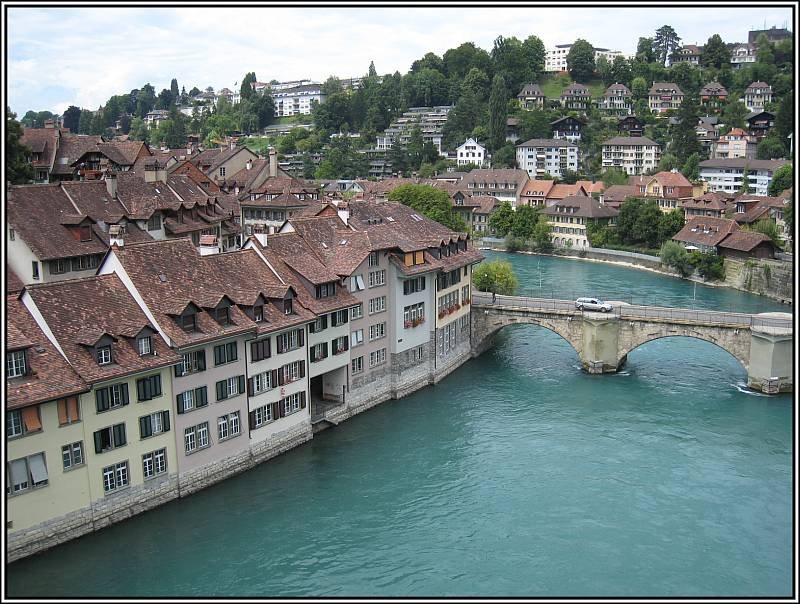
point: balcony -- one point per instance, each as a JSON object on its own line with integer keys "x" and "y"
{"x": 414, "y": 323}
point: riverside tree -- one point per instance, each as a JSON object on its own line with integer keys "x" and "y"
{"x": 431, "y": 202}
{"x": 496, "y": 276}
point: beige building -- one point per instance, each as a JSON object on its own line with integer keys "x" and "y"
{"x": 633, "y": 155}
{"x": 568, "y": 219}
{"x": 664, "y": 96}
{"x": 736, "y": 143}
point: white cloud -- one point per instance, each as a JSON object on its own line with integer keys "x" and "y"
{"x": 62, "y": 56}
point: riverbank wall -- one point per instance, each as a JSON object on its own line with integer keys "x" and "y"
{"x": 770, "y": 278}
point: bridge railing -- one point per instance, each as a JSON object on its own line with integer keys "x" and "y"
{"x": 637, "y": 311}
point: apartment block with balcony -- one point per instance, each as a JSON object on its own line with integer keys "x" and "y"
{"x": 726, "y": 175}
{"x": 547, "y": 156}
{"x": 633, "y": 155}
{"x": 664, "y": 96}
{"x": 297, "y": 100}
{"x": 757, "y": 95}
{"x": 735, "y": 144}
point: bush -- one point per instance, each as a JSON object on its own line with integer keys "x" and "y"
{"x": 495, "y": 276}
{"x": 710, "y": 266}
{"x": 514, "y": 244}
{"x": 674, "y": 255}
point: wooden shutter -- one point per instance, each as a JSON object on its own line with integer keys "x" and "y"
{"x": 141, "y": 389}
{"x": 98, "y": 442}
{"x": 347, "y": 343}
{"x": 303, "y": 399}
{"x": 240, "y": 384}
{"x": 255, "y": 351}
{"x": 222, "y": 390}
{"x": 125, "y": 399}
{"x": 178, "y": 369}
{"x": 62, "y": 411}
{"x": 145, "y": 426}
{"x": 201, "y": 360}
{"x": 300, "y": 337}
{"x": 265, "y": 346}
{"x": 280, "y": 340}
{"x": 250, "y": 387}
{"x": 200, "y": 397}
{"x": 101, "y": 399}
{"x": 252, "y": 419}
{"x": 279, "y": 409}
{"x": 72, "y": 409}
{"x": 179, "y": 403}
{"x": 324, "y": 321}
{"x": 333, "y": 319}
{"x": 165, "y": 420}
{"x": 30, "y": 417}
{"x": 302, "y": 370}
{"x": 233, "y": 351}
{"x": 119, "y": 435}
{"x": 218, "y": 355}
{"x": 273, "y": 379}
{"x": 324, "y": 350}
{"x": 344, "y": 314}
{"x": 281, "y": 376}
{"x": 155, "y": 385}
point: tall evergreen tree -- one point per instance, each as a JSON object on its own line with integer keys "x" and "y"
{"x": 372, "y": 72}
{"x": 684, "y": 134}
{"x": 18, "y": 170}
{"x": 246, "y": 91}
{"x": 72, "y": 117}
{"x": 498, "y": 113}
{"x": 173, "y": 88}
{"x": 580, "y": 60}
{"x": 665, "y": 43}
{"x": 715, "y": 53}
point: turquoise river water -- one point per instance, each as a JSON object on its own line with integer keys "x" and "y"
{"x": 517, "y": 475}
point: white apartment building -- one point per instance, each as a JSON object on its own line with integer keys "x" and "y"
{"x": 742, "y": 55}
{"x": 634, "y": 154}
{"x": 726, "y": 175}
{"x": 556, "y": 57}
{"x": 430, "y": 120}
{"x": 471, "y": 152}
{"x": 296, "y": 100}
{"x": 551, "y": 156}
{"x": 757, "y": 95}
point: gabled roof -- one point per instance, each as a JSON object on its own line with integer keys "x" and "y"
{"x": 562, "y": 191}
{"x": 662, "y": 87}
{"x": 713, "y": 88}
{"x": 530, "y": 90}
{"x": 499, "y": 175}
{"x": 619, "y": 193}
{"x": 745, "y": 241}
{"x": 44, "y": 141}
{"x": 548, "y": 142}
{"x": 705, "y": 230}
{"x": 617, "y": 90}
{"x": 759, "y": 84}
{"x": 537, "y": 188}
{"x": 80, "y": 311}
{"x": 575, "y": 89}
{"x": 72, "y": 147}
{"x": 590, "y": 187}
{"x": 50, "y": 376}
{"x": 671, "y": 179}
{"x": 587, "y": 207}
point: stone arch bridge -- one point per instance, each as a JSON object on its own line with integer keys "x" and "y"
{"x": 762, "y": 343}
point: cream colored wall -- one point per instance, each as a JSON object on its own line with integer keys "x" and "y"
{"x": 135, "y": 446}
{"x": 67, "y": 490}
{"x": 464, "y": 310}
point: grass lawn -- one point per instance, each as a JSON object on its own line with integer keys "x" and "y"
{"x": 294, "y": 119}
{"x": 553, "y": 85}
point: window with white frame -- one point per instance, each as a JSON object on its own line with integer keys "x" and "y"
{"x": 374, "y": 259}
{"x": 377, "y": 357}
{"x": 16, "y": 365}
{"x": 377, "y": 331}
{"x": 72, "y": 455}
{"x": 26, "y": 473}
{"x": 116, "y": 477}
{"x": 293, "y": 403}
{"x": 145, "y": 345}
{"x": 413, "y": 314}
{"x": 103, "y": 355}
{"x": 291, "y": 372}
{"x": 357, "y": 365}
{"x": 377, "y": 278}
{"x": 356, "y": 337}
{"x": 232, "y": 386}
{"x": 261, "y": 382}
{"x": 377, "y": 305}
{"x": 228, "y": 426}
{"x": 262, "y": 415}
{"x": 154, "y": 424}
{"x": 356, "y": 283}
{"x": 195, "y": 437}
{"x": 154, "y": 463}
{"x": 356, "y": 312}
{"x": 192, "y": 362}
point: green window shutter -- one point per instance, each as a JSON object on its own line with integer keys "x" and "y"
{"x": 179, "y": 403}
{"x": 165, "y": 420}
{"x": 302, "y": 371}
{"x": 178, "y": 370}
{"x": 118, "y": 432}
{"x": 155, "y": 386}
{"x": 241, "y": 384}
{"x": 125, "y": 399}
{"x": 98, "y": 442}
{"x": 222, "y": 390}
{"x": 303, "y": 399}
{"x": 300, "y": 337}
{"x": 145, "y": 427}
{"x": 274, "y": 379}
{"x": 141, "y": 389}
{"x": 218, "y": 355}
{"x": 201, "y": 360}
{"x": 101, "y": 398}
{"x": 233, "y": 351}
{"x": 200, "y": 396}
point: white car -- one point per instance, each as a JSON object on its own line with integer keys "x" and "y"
{"x": 592, "y": 304}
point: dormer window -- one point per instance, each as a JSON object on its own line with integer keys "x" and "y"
{"x": 16, "y": 364}
{"x": 258, "y": 313}
{"x": 326, "y": 289}
{"x": 104, "y": 355}
{"x": 145, "y": 346}
{"x": 287, "y": 306}
{"x": 188, "y": 322}
{"x": 85, "y": 233}
{"x": 222, "y": 315}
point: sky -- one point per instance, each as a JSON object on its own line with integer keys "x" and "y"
{"x": 64, "y": 56}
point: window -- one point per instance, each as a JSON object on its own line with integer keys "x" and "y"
{"x": 15, "y": 364}
{"x": 188, "y": 322}
{"x": 258, "y": 313}
{"x": 463, "y": 322}
{"x": 154, "y": 223}
{"x": 377, "y": 305}
{"x": 225, "y": 353}
{"x": 465, "y": 294}
{"x": 35, "y": 270}
{"x": 356, "y": 337}
{"x": 153, "y": 424}
{"x": 222, "y": 170}
{"x": 377, "y": 357}
{"x": 290, "y": 340}
{"x": 192, "y": 362}
{"x": 326, "y": 290}
{"x": 228, "y": 426}
{"x": 287, "y": 306}
{"x": 27, "y": 472}
{"x": 319, "y": 325}
{"x": 339, "y": 318}
{"x": 68, "y": 411}
{"x": 84, "y": 263}
{"x": 148, "y": 388}
{"x": 232, "y": 386}
{"x": 110, "y": 438}
{"x": 377, "y": 331}
{"x": 261, "y": 382}
{"x": 154, "y": 463}
{"x": 222, "y": 315}
{"x": 261, "y": 416}
{"x": 260, "y": 350}
{"x": 145, "y": 346}
{"x": 192, "y": 399}
{"x": 419, "y": 353}
{"x": 377, "y": 278}
{"x": 59, "y": 267}
{"x": 292, "y": 372}
{"x": 111, "y": 397}
{"x": 357, "y": 283}
{"x": 319, "y": 352}
{"x": 72, "y": 455}
{"x": 415, "y": 258}
{"x": 411, "y": 286}
{"x": 374, "y": 259}
{"x": 23, "y": 421}
{"x": 356, "y": 312}
{"x": 195, "y": 437}
{"x": 414, "y": 315}
{"x": 115, "y": 477}
{"x": 11, "y": 234}
{"x": 293, "y": 403}
{"x": 357, "y": 365}
{"x": 339, "y": 345}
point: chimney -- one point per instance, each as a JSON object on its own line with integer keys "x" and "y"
{"x": 249, "y": 164}
{"x": 208, "y": 245}
{"x": 232, "y": 144}
{"x": 111, "y": 184}
{"x": 273, "y": 163}
{"x": 115, "y": 232}
{"x": 155, "y": 172}
{"x": 49, "y": 124}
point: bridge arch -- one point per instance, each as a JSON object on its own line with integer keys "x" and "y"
{"x": 488, "y": 326}
{"x": 738, "y": 350}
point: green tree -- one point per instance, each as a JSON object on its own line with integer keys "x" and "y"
{"x": 691, "y": 167}
{"x": 496, "y": 276}
{"x": 673, "y": 254}
{"x": 505, "y": 157}
{"x": 525, "y": 220}
{"x": 372, "y": 72}
{"x": 669, "y": 224}
{"x": 621, "y": 70}
{"x": 745, "y": 188}
{"x": 462, "y": 120}
{"x": 534, "y": 52}
{"x": 715, "y": 53}
{"x": 768, "y": 227}
{"x": 639, "y": 89}
{"x": 18, "y": 168}
{"x": 498, "y": 113}
{"x": 644, "y": 51}
{"x": 502, "y": 219}
{"x": 476, "y": 82}
{"x": 614, "y": 176}
{"x": 667, "y": 162}
{"x": 430, "y": 201}
{"x": 684, "y": 134}
{"x": 173, "y": 88}
{"x": 511, "y": 62}
{"x": 782, "y": 179}
{"x": 331, "y": 86}
{"x": 246, "y": 90}
{"x": 72, "y": 117}
{"x": 139, "y": 131}
{"x": 665, "y": 43}
{"x": 784, "y": 118}
{"x": 580, "y": 60}
{"x": 542, "y": 241}
{"x": 770, "y": 147}
{"x": 734, "y": 113}
{"x": 85, "y": 122}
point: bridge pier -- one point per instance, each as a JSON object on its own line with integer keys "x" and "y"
{"x": 770, "y": 369}
{"x": 599, "y": 351}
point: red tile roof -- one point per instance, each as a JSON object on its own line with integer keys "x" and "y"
{"x": 745, "y": 241}
{"x": 706, "y": 231}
